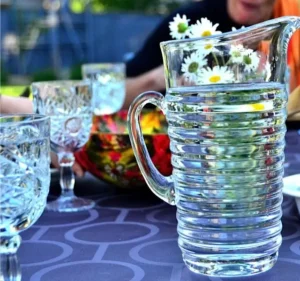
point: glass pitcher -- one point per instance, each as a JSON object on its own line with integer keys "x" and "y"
{"x": 226, "y": 109}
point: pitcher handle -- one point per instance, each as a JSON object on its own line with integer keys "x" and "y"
{"x": 161, "y": 186}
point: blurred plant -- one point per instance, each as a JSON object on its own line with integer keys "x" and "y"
{"x": 26, "y": 38}
{"x": 11, "y": 44}
{"x": 3, "y": 75}
{"x": 75, "y": 72}
{"x": 49, "y": 74}
{"x": 146, "y": 6}
{"x": 44, "y": 75}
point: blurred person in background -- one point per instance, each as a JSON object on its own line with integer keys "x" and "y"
{"x": 145, "y": 71}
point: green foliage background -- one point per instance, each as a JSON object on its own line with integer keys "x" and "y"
{"x": 78, "y": 7}
{"x": 143, "y": 6}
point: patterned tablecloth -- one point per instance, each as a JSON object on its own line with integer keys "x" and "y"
{"x": 132, "y": 236}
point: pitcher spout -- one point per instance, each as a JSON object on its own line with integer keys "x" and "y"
{"x": 283, "y": 30}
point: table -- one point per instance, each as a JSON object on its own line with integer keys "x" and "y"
{"x": 132, "y": 236}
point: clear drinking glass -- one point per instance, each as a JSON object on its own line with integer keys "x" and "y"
{"x": 108, "y": 83}
{"x": 68, "y": 103}
{"x": 226, "y": 109}
{"x": 24, "y": 182}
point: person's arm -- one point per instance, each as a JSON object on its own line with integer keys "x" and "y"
{"x": 152, "y": 80}
{"x": 11, "y": 105}
{"x": 144, "y": 71}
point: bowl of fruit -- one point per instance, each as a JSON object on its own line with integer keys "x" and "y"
{"x": 108, "y": 154}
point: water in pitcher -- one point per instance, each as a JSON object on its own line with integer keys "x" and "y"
{"x": 227, "y": 148}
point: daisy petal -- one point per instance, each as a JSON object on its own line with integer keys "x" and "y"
{"x": 203, "y": 28}
{"x": 216, "y": 75}
{"x": 192, "y": 66}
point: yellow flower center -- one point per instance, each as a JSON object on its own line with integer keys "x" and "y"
{"x": 208, "y": 46}
{"x": 206, "y": 33}
{"x": 215, "y": 79}
{"x": 258, "y": 106}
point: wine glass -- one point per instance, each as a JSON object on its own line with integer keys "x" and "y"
{"x": 24, "y": 182}
{"x": 108, "y": 84}
{"x": 68, "y": 103}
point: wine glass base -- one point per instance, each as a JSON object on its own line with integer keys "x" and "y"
{"x": 68, "y": 204}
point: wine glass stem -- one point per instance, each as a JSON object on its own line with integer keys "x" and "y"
{"x": 67, "y": 178}
{"x": 10, "y": 268}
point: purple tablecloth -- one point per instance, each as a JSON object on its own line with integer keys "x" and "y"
{"x": 132, "y": 236}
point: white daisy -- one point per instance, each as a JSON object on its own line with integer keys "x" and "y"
{"x": 179, "y": 27}
{"x": 192, "y": 66}
{"x": 203, "y": 28}
{"x": 251, "y": 61}
{"x": 206, "y": 46}
{"x": 237, "y": 53}
{"x": 217, "y": 74}
{"x": 234, "y": 29}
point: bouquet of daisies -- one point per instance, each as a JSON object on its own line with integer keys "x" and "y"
{"x": 211, "y": 63}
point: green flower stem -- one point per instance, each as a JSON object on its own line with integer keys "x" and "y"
{"x": 228, "y": 62}
{"x": 235, "y": 69}
{"x": 223, "y": 60}
{"x": 216, "y": 59}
